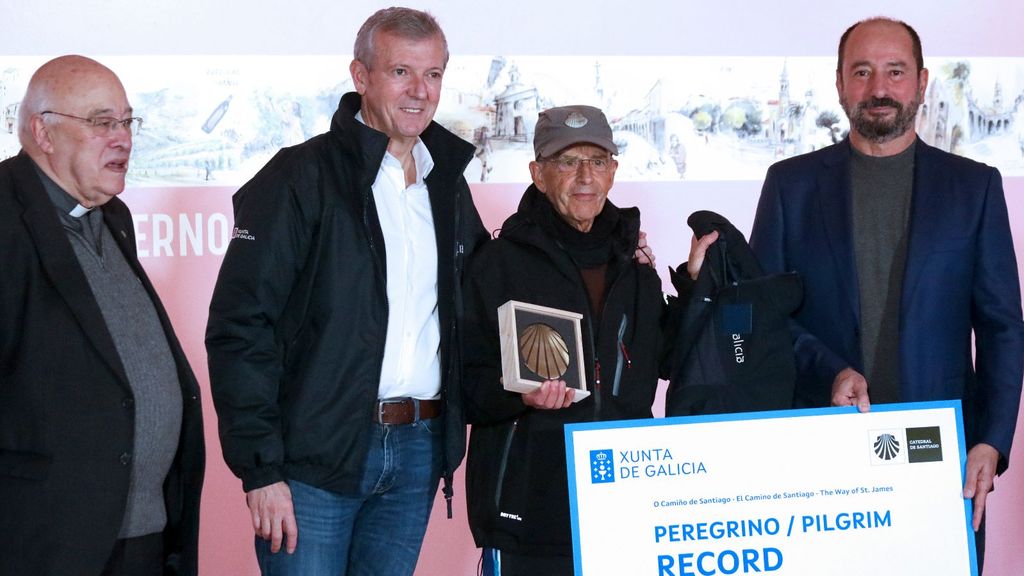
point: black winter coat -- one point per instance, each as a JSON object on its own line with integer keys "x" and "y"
{"x": 299, "y": 314}
{"x": 516, "y": 470}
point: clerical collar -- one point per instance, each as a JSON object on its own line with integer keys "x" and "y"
{"x": 78, "y": 211}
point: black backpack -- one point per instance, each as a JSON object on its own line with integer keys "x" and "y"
{"x": 734, "y": 349}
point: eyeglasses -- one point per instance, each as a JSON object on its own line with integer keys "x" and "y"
{"x": 104, "y": 125}
{"x": 573, "y": 163}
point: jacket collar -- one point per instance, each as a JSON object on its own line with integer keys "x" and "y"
{"x": 835, "y": 204}
{"x": 445, "y": 185}
{"x": 524, "y": 227}
{"x": 932, "y": 194}
{"x": 451, "y": 154}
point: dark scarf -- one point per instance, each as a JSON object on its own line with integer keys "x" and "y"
{"x": 587, "y": 249}
{"x": 592, "y": 252}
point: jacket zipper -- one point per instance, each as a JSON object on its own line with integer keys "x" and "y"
{"x": 593, "y": 346}
{"x": 597, "y": 368}
{"x": 453, "y": 344}
{"x": 503, "y": 464}
{"x": 381, "y": 273}
{"x": 620, "y": 354}
{"x": 446, "y": 475}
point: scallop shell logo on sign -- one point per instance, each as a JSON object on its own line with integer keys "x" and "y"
{"x": 887, "y": 446}
{"x": 576, "y": 120}
{"x": 544, "y": 351}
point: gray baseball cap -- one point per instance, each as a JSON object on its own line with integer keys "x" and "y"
{"x": 559, "y": 128}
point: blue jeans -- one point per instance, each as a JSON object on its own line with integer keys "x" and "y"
{"x": 377, "y": 532}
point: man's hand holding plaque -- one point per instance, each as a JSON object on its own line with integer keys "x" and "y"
{"x": 552, "y": 395}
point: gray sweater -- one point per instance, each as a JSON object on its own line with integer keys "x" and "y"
{"x": 133, "y": 324}
{"x": 882, "y": 188}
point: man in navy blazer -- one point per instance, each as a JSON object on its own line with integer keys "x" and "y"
{"x": 904, "y": 250}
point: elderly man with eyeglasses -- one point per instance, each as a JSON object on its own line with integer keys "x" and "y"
{"x": 101, "y": 440}
{"x": 567, "y": 247}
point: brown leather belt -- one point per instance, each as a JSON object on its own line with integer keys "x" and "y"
{"x": 406, "y": 410}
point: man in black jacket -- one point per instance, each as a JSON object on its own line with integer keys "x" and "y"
{"x": 333, "y": 332}
{"x": 101, "y": 438}
{"x": 567, "y": 247}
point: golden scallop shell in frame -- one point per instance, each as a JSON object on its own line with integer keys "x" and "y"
{"x": 544, "y": 351}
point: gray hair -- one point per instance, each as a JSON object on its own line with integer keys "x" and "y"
{"x": 35, "y": 101}
{"x": 404, "y": 22}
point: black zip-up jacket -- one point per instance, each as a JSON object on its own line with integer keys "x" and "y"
{"x": 516, "y": 471}
{"x": 299, "y": 314}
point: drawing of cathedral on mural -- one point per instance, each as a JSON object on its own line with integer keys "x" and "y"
{"x": 683, "y": 128}
{"x": 216, "y": 120}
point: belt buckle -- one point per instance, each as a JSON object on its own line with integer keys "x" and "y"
{"x": 398, "y": 401}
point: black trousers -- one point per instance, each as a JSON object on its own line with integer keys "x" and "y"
{"x": 508, "y": 564}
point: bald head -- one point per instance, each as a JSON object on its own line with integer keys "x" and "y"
{"x": 55, "y": 83}
{"x": 55, "y": 127}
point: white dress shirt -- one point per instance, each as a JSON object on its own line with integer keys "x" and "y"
{"x": 412, "y": 363}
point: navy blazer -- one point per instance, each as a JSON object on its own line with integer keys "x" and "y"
{"x": 66, "y": 408}
{"x": 961, "y": 275}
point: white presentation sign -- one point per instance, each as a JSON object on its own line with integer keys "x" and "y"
{"x": 801, "y": 492}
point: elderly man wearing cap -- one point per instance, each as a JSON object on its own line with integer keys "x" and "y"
{"x": 566, "y": 247}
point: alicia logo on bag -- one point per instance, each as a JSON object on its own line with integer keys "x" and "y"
{"x": 737, "y": 348}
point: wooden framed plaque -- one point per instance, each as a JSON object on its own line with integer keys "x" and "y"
{"x": 540, "y": 343}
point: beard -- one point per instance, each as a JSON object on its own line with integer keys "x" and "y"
{"x": 881, "y": 130}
